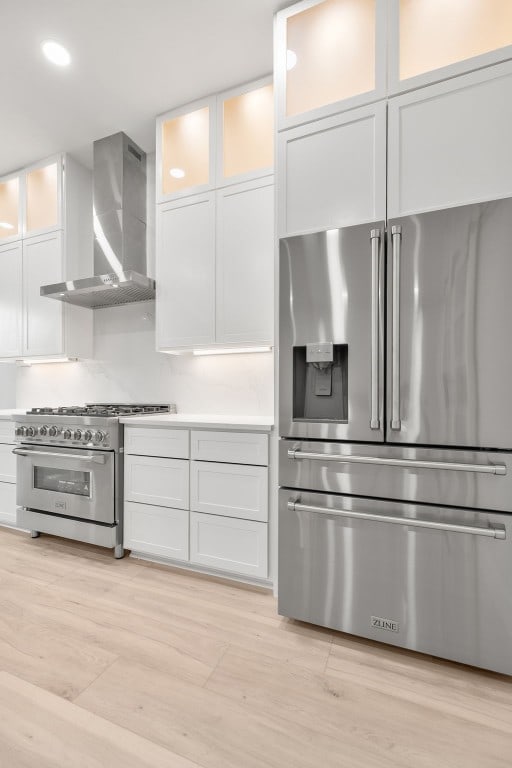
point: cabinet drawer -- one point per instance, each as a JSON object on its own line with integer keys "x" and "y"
{"x": 156, "y": 530}
{"x": 6, "y": 431}
{"x": 157, "y": 441}
{"x": 7, "y": 464}
{"x": 231, "y": 447}
{"x": 8, "y": 503}
{"x": 231, "y": 490}
{"x": 239, "y": 546}
{"x": 164, "y": 482}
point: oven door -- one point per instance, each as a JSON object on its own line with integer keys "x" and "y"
{"x": 71, "y": 482}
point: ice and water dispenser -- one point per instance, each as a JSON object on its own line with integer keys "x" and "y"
{"x": 320, "y": 373}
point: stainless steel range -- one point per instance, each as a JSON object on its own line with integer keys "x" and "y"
{"x": 396, "y": 432}
{"x": 70, "y": 471}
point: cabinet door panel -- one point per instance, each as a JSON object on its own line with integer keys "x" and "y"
{"x": 10, "y": 209}
{"x": 43, "y": 318}
{"x": 7, "y": 464}
{"x": 185, "y": 273}
{"x": 43, "y": 195}
{"x": 164, "y": 482}
{"x": 156, "y": 530}
{"x": 10, "y": 300}
{"x": 245, "y": 263}
{"x": 449, "y": 144}
{"x": 231, "y": 490}
{"x": 333, "y": 173}
{"x": 157, "y": 441}
{"x": 8, "y": 503}
{"x": 239, "y": 546}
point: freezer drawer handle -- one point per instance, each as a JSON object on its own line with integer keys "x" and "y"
{"x": 96, "y": 459}
{"x": 474, "y": 530}
{"x": 396, "y": 236}
{"x": 374, "y": 418}
{"x": 487, "y": 469}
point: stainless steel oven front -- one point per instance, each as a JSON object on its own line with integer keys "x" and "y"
{"x": 74, "y": 483}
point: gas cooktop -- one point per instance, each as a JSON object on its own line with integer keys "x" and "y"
{"x": 103, "y": 409}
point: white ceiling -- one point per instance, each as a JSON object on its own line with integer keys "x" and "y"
{"x": 132, "y": 59}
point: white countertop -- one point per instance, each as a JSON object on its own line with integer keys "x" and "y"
{"x": 7, "y": 413}
{"x": 198, "y": 421}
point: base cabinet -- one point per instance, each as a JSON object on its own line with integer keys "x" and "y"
{"x": 7, "y": 474}
{"x": 239, "y": 546}
{"x": 7, "y": 504}
{"x": 156, "y": 530}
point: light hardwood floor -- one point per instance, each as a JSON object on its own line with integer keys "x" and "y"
{"x": 107, "y": 663}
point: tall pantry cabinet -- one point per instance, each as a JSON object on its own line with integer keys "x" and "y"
{"x": 215, "y": 222}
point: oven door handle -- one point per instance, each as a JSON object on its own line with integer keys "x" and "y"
{"x": 100, "y": 459}
{"x": 413, "y": 522}
{"x": 488, "y": 469}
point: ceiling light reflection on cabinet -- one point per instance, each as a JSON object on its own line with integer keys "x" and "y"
{"x": 56, "y": 53}
{"x": 6, "y": 225}
{"x": 177, "y": 173}
{"x": 291, "y": 59}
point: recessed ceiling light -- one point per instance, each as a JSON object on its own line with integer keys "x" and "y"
{"x": 177, "y": 173}
{"x": 56, "y": 53}
{"x": 6, "y": 225}
{"x": 291, "y": 59}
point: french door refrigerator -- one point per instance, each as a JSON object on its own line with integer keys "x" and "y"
{"x": 395, "y": 399}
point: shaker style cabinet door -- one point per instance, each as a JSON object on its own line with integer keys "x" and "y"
{"x": 245, "y": 263}
{"x": 433, "y": 41}
{"x": 42, "y": 317}
{"x": 449, "y": 144}
{"x": 43, "y": 198}
{"x": 185, "y": 273}
{"x": 11, "y": 271}
{"x": 330, "y": 56}
{"x": 332, "y": 173}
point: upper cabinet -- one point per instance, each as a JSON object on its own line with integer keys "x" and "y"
{"x": 221, "y": 140}
{"x": 10, "y": 208}
{"x": 430, "y": 40}
{"x": 46, "y": 211}
{"x": 329, "y": 56}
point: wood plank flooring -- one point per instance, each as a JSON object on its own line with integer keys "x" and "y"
{"x": 107, "y": 663}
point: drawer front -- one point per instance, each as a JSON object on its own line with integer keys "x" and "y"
{"x": 7, "y": 464}
{"x": 8, "y": 503}
{"x": 230, "y": 447}
{"x": 156, "y": 530}
{"x": 6, "y": 431}
{"x": 237, "y": 546}
{"x": 164, "y": 482}
{"x": 157, "y": 441}
{"x": 231, "y": 490}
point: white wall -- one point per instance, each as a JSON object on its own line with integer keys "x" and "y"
{"x": 127, "y": 368}
{"x": 7, "y": 385}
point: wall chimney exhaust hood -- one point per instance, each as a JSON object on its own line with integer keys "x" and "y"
{"x": 119, "y": 219}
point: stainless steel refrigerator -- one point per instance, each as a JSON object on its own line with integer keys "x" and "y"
{"x": 395, "y": 467}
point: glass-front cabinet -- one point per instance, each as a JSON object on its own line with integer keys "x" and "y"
{"x": 43, "y": 194}
{"x": 10, "y": 208}
{"x": 330, "y": 56}
{"x": 431, "y": 40}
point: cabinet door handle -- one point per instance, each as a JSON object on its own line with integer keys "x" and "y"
{"x": 374, "y": 418}
{"x": 412, "y": 522}
{"x": 454, "y": 466}
{"x": 396, "y": 236}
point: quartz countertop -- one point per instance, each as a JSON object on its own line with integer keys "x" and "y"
{"x": 8, "y": 413}
{"x": 199, "y": 421}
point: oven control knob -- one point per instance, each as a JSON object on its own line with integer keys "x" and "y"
{"x": 67, "y": 434}
{"x": 77, "y": 434}
{"x": 99, "y": 436}
{"x": 53, "y": 431}
{"x": 88, "y": 435}
{"x": 43, "y": 431}
{"x": 20, "y": 431}
{"x": 30, "y": 432}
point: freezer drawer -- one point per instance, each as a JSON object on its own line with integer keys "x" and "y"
{"x": 480, "y": 479}
{"x": 439, "y": 583}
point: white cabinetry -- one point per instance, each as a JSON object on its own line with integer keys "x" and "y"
{"x": 7, "y": 474}
{"x": 449, "y": 144}
{"x": 228, "y": 492}
{"x": 11, "y": 273}
{"x": 332, "y": 173}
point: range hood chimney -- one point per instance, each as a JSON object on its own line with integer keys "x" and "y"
{"x": 119, "y": 219}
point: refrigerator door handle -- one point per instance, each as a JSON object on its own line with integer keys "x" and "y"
{"x": 488, "y": 469}
{"x": 411, "y": 522}
{"x": 374, "y": 418}
{"x": 396, "y": 236}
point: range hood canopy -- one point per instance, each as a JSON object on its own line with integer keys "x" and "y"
{"x": 119, "y": 220}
